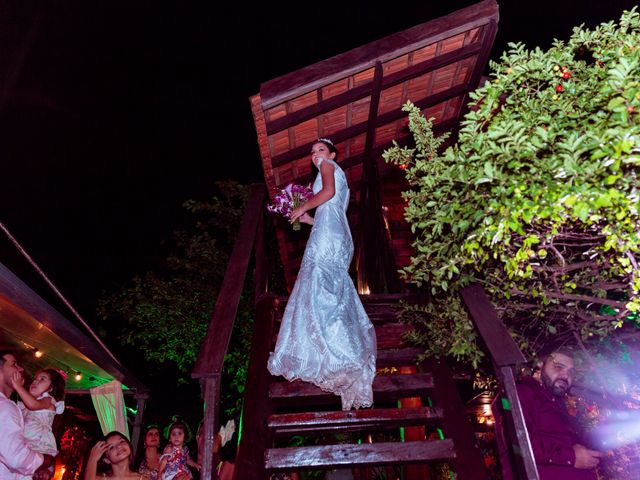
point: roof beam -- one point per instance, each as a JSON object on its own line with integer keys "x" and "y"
{"x": 360, "y": 128}
{"x": 364, "y": 90}
{"x": 379, "y": 267}
{"x": 354, "y": 160}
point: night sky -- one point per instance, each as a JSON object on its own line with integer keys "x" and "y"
{"x": 113, "y": 113}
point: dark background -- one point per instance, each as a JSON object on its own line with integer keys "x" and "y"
{"x": 113, "y": 113}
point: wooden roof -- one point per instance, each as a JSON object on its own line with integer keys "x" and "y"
{"x": 28, "y": 322}
{"x": 355, "y": 99}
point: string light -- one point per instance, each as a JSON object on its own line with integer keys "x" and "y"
{"x": 78, "y": 376}
{"x": 38, "y": 353}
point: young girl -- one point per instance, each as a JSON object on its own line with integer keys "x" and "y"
{"x": 111, "y": 458}
{"x": 175, "y": 458}
{"x": 39, "y": 405}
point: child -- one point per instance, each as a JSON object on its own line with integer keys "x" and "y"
{"x": 39, "y": 405}
{"x": 175, "y": 457}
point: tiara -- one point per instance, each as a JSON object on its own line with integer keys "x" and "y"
{"x": 326, "y": 140}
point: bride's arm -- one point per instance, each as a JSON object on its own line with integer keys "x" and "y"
{"x": 324, "y": 195}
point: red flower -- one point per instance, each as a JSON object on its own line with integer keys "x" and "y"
{"x": 566, "y": 75}
{"x": 559, "y": 88}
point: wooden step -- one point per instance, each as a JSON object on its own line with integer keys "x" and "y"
{"x": 384, "y": 387}
{"x": 348, "y": 456}
{"x": 397, "y": 357}
{"x": 353, "y": 420}
{"x": 391, "y": 335}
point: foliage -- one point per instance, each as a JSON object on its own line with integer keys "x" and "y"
{"x": 165, "y": 314}
{"x": 443, "y": 330}
{"x": 538, "y": 199}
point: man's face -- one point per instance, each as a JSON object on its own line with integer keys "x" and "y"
{"x": 7, "y": 370}
{"x": 557, "y": 374}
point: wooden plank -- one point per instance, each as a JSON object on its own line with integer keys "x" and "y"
{"x": 211, "y": 397}
{"x": 469, "y": 463}
{"x": 256, "y": 436}
{"x": 360, "y": 128}
{"x": 364, "y": 90}
{"x": 390, "y": 335}
{"x": 292, "y": 85}
{"x": 386, "y": 386}
{"x": 501, "y": 346}
{"x": 216, "y": 342}
{"x": 397, "y": 357}
{"x": 371, "y": 419}
{"x": 489, "y": 32}
{"x": 335, "y": 456}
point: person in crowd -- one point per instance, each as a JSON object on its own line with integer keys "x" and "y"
{"x": 39, "y": 405}
{"x": 17, "y": 457}
{"x": 151, "y": 457}
{"x": 326, "y": 337}
{"x": 111, "y": 457}
{"x": 558, "y": 450}
{"x": 227, "y": 442}
{"x": 175, "y": 460}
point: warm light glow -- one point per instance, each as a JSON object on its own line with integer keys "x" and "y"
{"x": 78, "y": 376}
{"x": 38, "y": 353}
{"x": 364, "y": 290}
{"x": 59, "y": 472}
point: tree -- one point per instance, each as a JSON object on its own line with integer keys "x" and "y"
{"x": 165, "y": 313}
{"x": 538, "y": 199}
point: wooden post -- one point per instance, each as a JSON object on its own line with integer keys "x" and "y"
{"x": 211, "y": 396}
{"x": 468, "y": 464}
{"x": 141, "y": 400}
{"x": 411, "y": 434}
{"x": 528, "y": 462}
{"x": 506, "y": 356}
{"x": 255, "y": 436}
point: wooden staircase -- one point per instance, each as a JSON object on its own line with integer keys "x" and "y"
{"x": 277, "y": 410}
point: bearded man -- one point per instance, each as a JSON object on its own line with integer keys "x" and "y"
{"x": 556, "y": 446}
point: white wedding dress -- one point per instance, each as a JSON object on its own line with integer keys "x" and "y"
{"x": 326, "y": 337}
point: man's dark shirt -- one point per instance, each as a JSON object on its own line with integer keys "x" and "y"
{"x": 551, "y": 433}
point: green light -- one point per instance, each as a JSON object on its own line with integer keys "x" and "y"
{"x": 440, "y": 433}
{"x": 240, "y": 425}
{"x": 505, "y": 403}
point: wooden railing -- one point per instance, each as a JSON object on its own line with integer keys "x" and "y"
{"x": 210, "y": 361}
{"x": 506, "y": 356}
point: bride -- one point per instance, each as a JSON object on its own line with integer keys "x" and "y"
{"x": 326, "y": 337}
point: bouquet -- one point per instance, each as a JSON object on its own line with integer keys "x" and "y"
{"x": 290, "y": 197}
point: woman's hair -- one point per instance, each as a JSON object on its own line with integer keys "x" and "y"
{"x": 57, "y": 383}
{"x": 151, "y": 426}
{"x": 329, "y": 144}
{"x": 103, "y": 466}
{"x": 177, "y": 422}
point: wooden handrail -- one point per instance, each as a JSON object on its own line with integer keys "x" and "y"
{"x": 505, "y": 355}
{"x": 216, "y": 342}
{"x": 210, "y": 361}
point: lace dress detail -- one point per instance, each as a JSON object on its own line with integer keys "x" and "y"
{"x": 325, "y": 336}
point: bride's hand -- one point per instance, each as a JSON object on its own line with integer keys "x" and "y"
{"x": 295, "y": 214}
{"x": 306, "y": 218}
